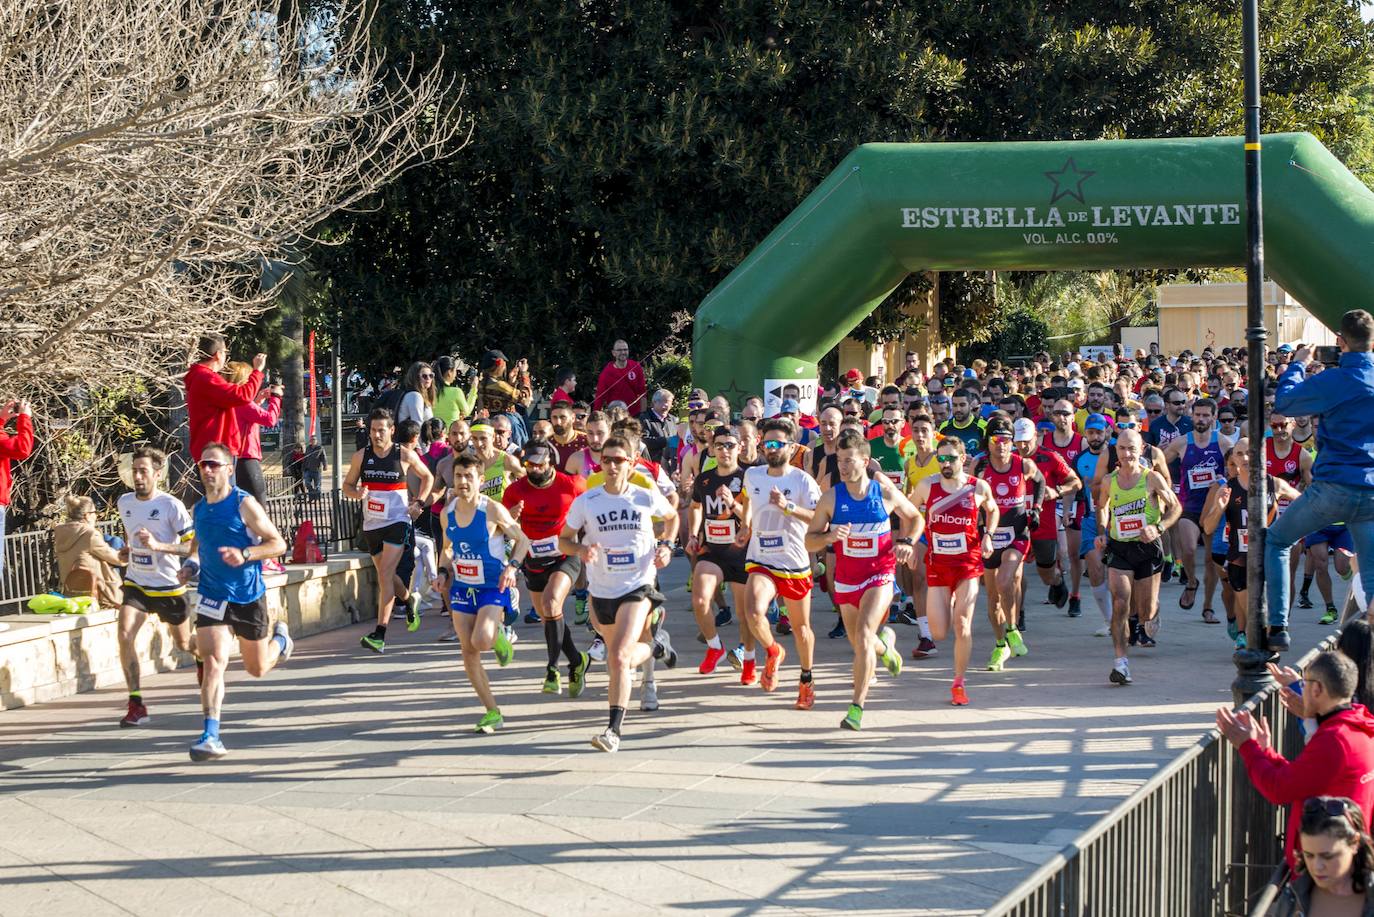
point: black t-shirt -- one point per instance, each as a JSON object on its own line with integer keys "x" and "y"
{"x": 719, "y": 525}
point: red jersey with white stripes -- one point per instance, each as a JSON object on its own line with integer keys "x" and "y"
{"x": 952, "y": 525}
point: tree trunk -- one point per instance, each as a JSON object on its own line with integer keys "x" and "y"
{"x": 293, "y": 375}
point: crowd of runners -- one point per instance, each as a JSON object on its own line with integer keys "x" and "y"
{"x": 892, "y": 503}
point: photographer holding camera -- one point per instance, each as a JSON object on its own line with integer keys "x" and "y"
{"x": 1342, "y": 488}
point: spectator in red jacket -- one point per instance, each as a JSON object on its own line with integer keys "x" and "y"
{"x": 1338, "y": 760}
{"x": 210, "y": 399}
{"x": 263, "y": 411}
{"x": 621, "y": 380}
{"x": 13, "y": 448}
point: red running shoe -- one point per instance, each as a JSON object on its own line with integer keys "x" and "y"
{"x": 137, "y": 715}
{"x": 958, "y": 696}
{"x": 746, "y": 675}
{"x": 806, "y": 695}
{"x": 924, "y": 649}
{"x": 708, "y": 665}
{"x": 769, "y": 679}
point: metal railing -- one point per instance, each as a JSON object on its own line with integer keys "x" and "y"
{"x": 1196, "y": 839}
{"x": 31, "y": 559}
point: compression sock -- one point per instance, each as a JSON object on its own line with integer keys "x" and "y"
{"x": 379, "y": 631}
{"x": 617, "y": 719}
{"x": 923, "y": 625}
{"x": 806, "y": 676}
{"x": 1306, "y": 585}
{"x": 551, "y": 642}
{"x": 211, "y": 727}
{"x": 569, "y": 647}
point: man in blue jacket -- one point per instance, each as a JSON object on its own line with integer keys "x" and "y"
{"x": 1342, "y": 488}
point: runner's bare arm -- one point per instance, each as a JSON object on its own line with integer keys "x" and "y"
{"x": 570, "y": 545}
{"x": 1217, "y": 495}
{"x": 896, "y": 502}
{"x": 1169, "y": 508}
{"x": 789, "y": 508}
{"x": 818, "y": 536}
{"x": 1285, "y": 491}
{"x": 255, "y": 517}
{"x": 1305, "y": 466}
{"x": 513, "y": 467}
{"x": 992, "y": 514}
{"x": 506, "y": 524}
{"x": 694, "y": 514}
{"x": 351, "y": 488}
{"x": 412, "y": 462}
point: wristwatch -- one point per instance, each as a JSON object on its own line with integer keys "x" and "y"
{"x": 906, "y": 541}
{"x": 664, "y": 544}
{"x": 243, "y": 553}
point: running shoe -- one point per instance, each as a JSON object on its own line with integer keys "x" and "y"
{"x": 374, "y": 643}
{"x": 449, "y": 636}
{"x": 208, "y": 748}
{"x": 490, "y": 722}
{"x": 736, "y": 657}
{"x": 580, "y": 609}
{"x": 1150, "y": 627}
{"x": 1232, "y": 629}
{"x": 648, "y": 697}
{"x": 747, "y": 672}
{"x": 999, "y": 657}
{"x": 958, "y": 697}
{"x": 1103, "y": 631}
{"x": 1145, "y": 641}
{"x": 837, "y": 632}
{"x": 606, "y": 741}
{"x": 1059, "y": 594}
{"x": 784, "y": 624}
{"x": 413, "y": 612}
{"x": 1304, "y": 601}
{"x": 723, "y": 617}
{"x": 773, "y": 661}
{"x": 501, "y": 646}
{"x": 1134, "y": 631}
{"x": 806, "y": 695}
{"x": 903, "y": 615}
{"x": 1021, "y": 620}
{"x": 597, "y": 651}
{"x": 511, "y": 616}
{"x": 553, "y": 684}
{"x": 1168, "y": 572}
{"x": 289, "y": 645}
{"x": 1075, "y": 607}
{"x": 531, "y": 617}
{"x": 663, "y": 648}
{"x": 713, "y": 658}
{"x": 136, "y": 715}
{"x": 511, "y": 634}
{"x": 1279, "y": 639}
{"x": 854, "y": 719}
{"x": 925, "y": 649}
{"x": 1329, "y": 617}
{"x": 1120, "y": 674}
{"x": 1180, "y": 573}
{"x": 1241, "y": 642}
{"x": 892, "y": 660}
{"x": 577, "y": 675}
{"x": 1016, "y": 644}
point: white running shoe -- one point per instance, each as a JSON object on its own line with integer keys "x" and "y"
{"x": 1103, "y": 631}
{"x": 279, "y": 630}
{"x": 648, "y": 697}
{"x": 597, "y": 650}
{"x": 606, "y": 741}
{"x": 663, "y": 648}
{"x": 511, "y": 635}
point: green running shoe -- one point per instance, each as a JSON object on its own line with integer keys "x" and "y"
{"x": 580, "y": 610}
{"x": 1329, "y": 617}
{"x": 502, "y": 647}
{"x": 577, "y": 678}
{"x": 1017, "y": 645}
{"x": 891, "y": 658}
{"x": 999, "y": 657}
{"x": 552, "y": 683}
{"x": 490, "y": 722}
{"x": 376, "y": 644}
{"x": 413, "y": 612}
{"x": 854, "y": 719}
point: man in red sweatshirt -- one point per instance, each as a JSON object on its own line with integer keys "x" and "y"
{"x": 1338, "y": 759}
{"x": 12, "y": 449}
{"x": 211, "y": 400}
{"x": 622, "y": 379}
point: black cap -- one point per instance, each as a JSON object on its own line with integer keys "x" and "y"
{"x": 998, "y": 427}
{"x": 492, "y": 357}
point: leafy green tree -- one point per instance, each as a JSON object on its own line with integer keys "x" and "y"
{"x": 626, "y": 157}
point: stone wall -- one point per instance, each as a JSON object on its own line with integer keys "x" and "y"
{"x": 43, "y": 657}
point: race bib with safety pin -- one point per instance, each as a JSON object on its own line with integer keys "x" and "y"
{"x": 1003, "y": 537}
{"x": 467, "y": 572}
{"x": 861, "y": 546}
{"x": 375, "y": 508}
{"x": 720, "y": 531}
{"x": 1202, "y": 477}
{"x": 1130, "y": 526}
{"x": 544, "y": 547}
{"x": 771, "y": 542}
{"x": 211, "y": 608}
{"x": 956, "y": 543}
{"x": 143, "y": 560}
{"x": 620, "y": 560}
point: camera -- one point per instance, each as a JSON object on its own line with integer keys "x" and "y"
{"x": 1327, "y": 354}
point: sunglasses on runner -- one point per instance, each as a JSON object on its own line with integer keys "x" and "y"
{"x": 725, "y": 444}
{"x": 1062, "y": 413}
{"x": 773, "y": 444}
{"x": 1154, "y": 412}
{"x": 1126, "y": 425}
{"x": 946, "y": 459}
{"x": 614, "y": 460}
{"x": 211, "y": 464}
{"x": 1000, "y": 438}
{"x": 892, "y": 423}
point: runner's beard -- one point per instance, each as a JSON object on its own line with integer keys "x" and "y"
{"x": 776, "y": 459}
{"x": 541, "y": 478}
{"x": 947, "y": 470}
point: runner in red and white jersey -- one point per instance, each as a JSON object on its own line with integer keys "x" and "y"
{"x": 587, "y": 461}
{"x": 539, "y": 502}
{"x": 1060, "y": 481}
{"x": 1017, "y": 487}
{"x": 1285, "y": 458}
{"x": 1067, "y": 442}
{"x": 960, "y": 515}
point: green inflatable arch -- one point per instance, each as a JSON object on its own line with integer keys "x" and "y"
{"x": 891, "y": 209}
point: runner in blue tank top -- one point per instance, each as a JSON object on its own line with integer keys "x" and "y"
{"x": 233, "y": 536}
{"x": 474, "y": 566}
{"x": 1201, "y": 458}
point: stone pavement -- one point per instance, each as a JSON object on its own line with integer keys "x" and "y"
{"x": 354, "y": 782}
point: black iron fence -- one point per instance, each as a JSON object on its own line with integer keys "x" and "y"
{"x": 1196, "y": 839}
{"x": 31, "y": 560}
